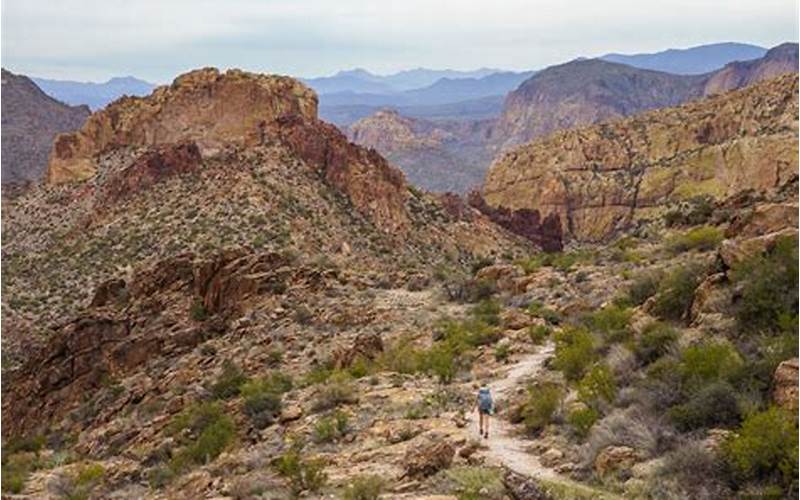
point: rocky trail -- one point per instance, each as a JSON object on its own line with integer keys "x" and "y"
{"x": 507, "y": 448}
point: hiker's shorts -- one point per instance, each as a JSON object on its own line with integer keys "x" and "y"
{"x": 485, "y": 411}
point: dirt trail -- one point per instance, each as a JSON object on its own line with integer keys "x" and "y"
{"x": 506, "y": 447}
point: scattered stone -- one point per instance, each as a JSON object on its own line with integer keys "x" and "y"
{"x": 426, "y": 460}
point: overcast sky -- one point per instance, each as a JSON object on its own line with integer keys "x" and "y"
{"x": 158, "y": 39}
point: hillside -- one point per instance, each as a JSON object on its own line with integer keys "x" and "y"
{"x": 609, "y": 177}
{"x": 690, "y": 61}
{"x": 777, "y": 61}
{"x": 436, "y": 156}
{"x": 31, "y": 120}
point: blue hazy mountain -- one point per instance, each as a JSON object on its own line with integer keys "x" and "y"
{"x": 95, "y": 95}
{"x": 692, "y": 61}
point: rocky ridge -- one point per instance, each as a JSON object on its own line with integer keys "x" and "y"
{"x": 605, "y": 178}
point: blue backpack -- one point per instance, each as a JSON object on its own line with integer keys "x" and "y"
{"x": 484, "y": 399}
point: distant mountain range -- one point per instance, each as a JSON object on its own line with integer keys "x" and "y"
{"x": 94, "y": 95}
{"x": 361, "y": 80}
{"x": 691, "y": 61}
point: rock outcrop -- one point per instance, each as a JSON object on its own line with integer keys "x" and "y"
{"x": 602, "y": 179}
{"x": 428, "y": 459}
{"x": 235, "y": 109}
{"x": 784, "y": 382}
{"x": 31, "y": 120}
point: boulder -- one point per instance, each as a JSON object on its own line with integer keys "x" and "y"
{"x": 764, "y": 219}
{"x": 426, "y": 460}
{"x": 615, "y": 460}
{"x": 521, "y": 487}
{"x": 503, "y": 275}
{"x": 366, "y": 346}
{"x": 784, "y": 383}
{"x": 516, "y": 319}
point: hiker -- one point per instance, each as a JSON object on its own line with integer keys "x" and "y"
{"x": 485, "y": 408}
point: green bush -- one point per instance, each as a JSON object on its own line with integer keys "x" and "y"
{"x": 538, "y": 310}
{"x": 702, "y": 238}
{"x": 198, "y": 311}
{"x": 597, "y": 385}
{"x": 368, "y": 487}
{"x": 713, "y": 405}
{"x": 229, "y": 381}
{"x": 575, "y": 351}
{"x": 401, "y": 357}
{"x": 676, "y": 291}
{"x": 769, "y": 291}
{"x": 476, "y": 483}
{"x": 538, "y": 333}
{"x": 203, "y": 431}
{"x": 611, "y": 322}
{"x": 645, "y": 285}
{"x": 695, "y": 210}
{"x": 708, "y": 362}
{"x": 487, "y": 311}
{"x": 501, "y": 352}
{"x": 331, "y": 428}
{"x": 582, "y": 419}
{"x": 541, "y": 405}
{"x": 262, "y": 398}
{"x": 765, "y": 447}
{"x": 303, "y": 474}
{"x": 16, "y": 468}
{"x": 656, "y": 340}
{"x": 337, "y": 391}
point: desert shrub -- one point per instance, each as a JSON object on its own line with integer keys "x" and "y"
{"x": 501, "y": 352}
{"x": 702, "y": 238}
{"x": 480, "y": 263}
{"x": 338, "y": 390}
{"x": 632, "y": 428}
{"x": 645, "y": 285}
{"x": 401, "y": 357}
{"x": 695, "y": 210}
{"x": 203, "y": 431}
{"x": 582, "y": 419}
{"x": 487, "y": 311}
{"x": 367, "y": 487}
{"x": 690, "y": 470}
{"x": 262, "y": 398}
{"x": 611, "y": 322}
{"x": 198, "y": 311}
{"x": 331, "y": 427}
{"x": 302, "y": 473}
{"x": 31, "y": 444}
{"x": 538, "y": 333}
{"x": 476, "y": 483}
{"x": 662, "y": 386}
{"x": 541, "y": 405}
{"x": 228, "y": 382}
{"x": 538, "y": 310}
{"x": 708, "y": 362}
{"x": 713, "y": 405}
{"x": 597, "y": 385}
{"x": 16, "y": 468}
{"x": 765, "y": 447}
{"x": 575, "y": 352}
{"x": 676, "y": 291}
{"x": 656, "y": 340}
{"x": 470, "y": 290}
{"x": 768, "y": 284}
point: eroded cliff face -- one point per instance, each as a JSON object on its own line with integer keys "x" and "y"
{"x": 602, "y": 179}
{"x": 236, "y": 109}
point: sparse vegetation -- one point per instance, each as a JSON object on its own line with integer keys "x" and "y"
{"x": 202, "y": 431}
{"x": 476, "y": 483}
{"x": 656, "y": 340}
{"x": 338, "y": 390}
{"x": 575, "y": 351}
{"x": 611, "y": 322}
{"x": 229, "y": 381}
{"x": 702, "y": 239}
{"x": 582, "y": 419}
{"x": 331, "y": 427}
{"x": 301, "y": 472}
{"x": 367, "y": 487}
{"x": 676, "y": 291}
{"x": 541, "y": 406}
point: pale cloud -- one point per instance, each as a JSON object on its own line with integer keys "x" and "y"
{"x": 93, "y": 39}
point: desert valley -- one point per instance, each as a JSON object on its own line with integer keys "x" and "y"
{"x": 243, "y": 285}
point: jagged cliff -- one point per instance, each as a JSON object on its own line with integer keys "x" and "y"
{"x": 604, "y": 178}
{"x": 777, "y": 61}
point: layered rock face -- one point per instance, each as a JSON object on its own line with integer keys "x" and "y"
{"x": 31, "y": 120}
{"x": 604, "y": 178}
{"x": 777, "y": 61}
{"x": 235, "y": 109}
{"x": 437, "y": 156}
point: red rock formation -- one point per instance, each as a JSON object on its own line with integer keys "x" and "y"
{"x": 216, "y": 110}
